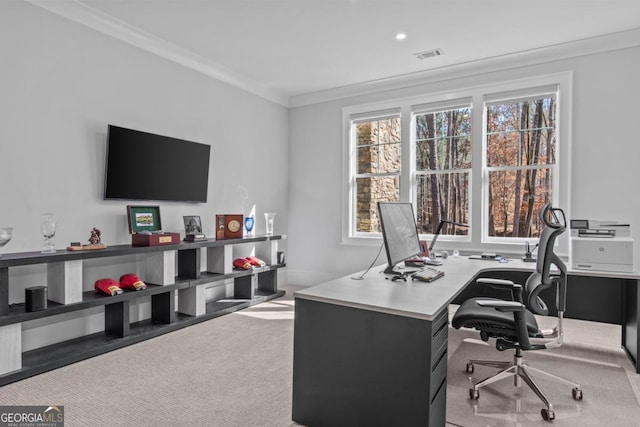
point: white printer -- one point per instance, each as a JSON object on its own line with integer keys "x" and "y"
{"x": 601, "y": 245}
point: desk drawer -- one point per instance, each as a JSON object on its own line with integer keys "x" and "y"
{"x": 438, "y": 372}
{"x": 438, "y": 407}
{"x": 439, "y": 336}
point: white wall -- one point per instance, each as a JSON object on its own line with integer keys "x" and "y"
{"x": 604, "y": 159}
{"x": 61, "y": 84}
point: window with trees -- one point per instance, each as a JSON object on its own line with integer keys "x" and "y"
{"x": 520, "y": 162}
{"x": 443, "y": 168}
{"x": 489, "y": 157}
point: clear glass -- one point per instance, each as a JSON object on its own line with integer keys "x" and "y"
{"x": 269, "y": 217}
{"x": 5, "y": 235}
{"x": 249, "y": 222}
{"x": 48, "y": 229}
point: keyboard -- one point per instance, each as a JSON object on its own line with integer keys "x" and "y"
{"x": 427, "y": 274}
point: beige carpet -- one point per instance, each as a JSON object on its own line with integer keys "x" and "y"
{"x": 236, "y": 370}
{"x": 231, "y": 371}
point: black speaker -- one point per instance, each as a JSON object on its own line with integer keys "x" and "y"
{"x": 35, "y": 298}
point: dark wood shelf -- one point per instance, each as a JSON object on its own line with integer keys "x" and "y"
{"x": 64, "y": 353}
{"x": 29, "y": 258}
{"x": 118, "y": 331}
{"x": 17, "y": 313}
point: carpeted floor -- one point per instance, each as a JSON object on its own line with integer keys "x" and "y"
{"x": 608, "y": 395}
{"x": 236, "y": 370}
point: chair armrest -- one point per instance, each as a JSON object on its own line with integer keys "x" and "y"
{"x": 516, "y": 289}
{"x": 505, "y": 306}
{"x": 499, "y": 283}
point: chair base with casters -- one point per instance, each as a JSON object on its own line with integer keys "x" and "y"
{"x": 512, "y": 322}
{"x": 519, "y": 370}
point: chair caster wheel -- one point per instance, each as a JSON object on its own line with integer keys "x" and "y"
{"x": 474, "y": 394}
{"x": 469, "y": 368}
{"x": 576, "y": 393}
{"x": 547, "y": 415}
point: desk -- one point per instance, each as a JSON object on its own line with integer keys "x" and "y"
{"x": 374, "y": 352}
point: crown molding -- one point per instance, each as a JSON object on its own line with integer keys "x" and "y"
{"x": 588, "y": 46}
{"x": 92, "y": 18}
{"x": 96, "y": 20}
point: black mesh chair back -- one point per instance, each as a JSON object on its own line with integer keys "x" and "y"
{"x": 555, "y": 224}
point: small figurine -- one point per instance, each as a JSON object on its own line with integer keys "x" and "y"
{"x": 95, "y": 236}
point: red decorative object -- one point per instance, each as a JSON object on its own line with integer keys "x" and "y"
{"x": 242, "y": 263}
{"x": 256, "y": 262}
{"x": 132, "y": 281}
{"x": 108, "y": 286}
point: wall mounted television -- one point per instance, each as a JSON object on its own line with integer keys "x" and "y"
{"x": 146, "y": 166}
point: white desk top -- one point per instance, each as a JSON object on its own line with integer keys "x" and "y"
{"x": 411, "y": 298}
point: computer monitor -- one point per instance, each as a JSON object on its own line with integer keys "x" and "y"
{"x": 399, "y": 232}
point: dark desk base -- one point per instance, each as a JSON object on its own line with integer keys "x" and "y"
{"x": 354, "y": 367}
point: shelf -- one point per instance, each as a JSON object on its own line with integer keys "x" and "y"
{"x": 17, "y": 313}
{"x": 30, "y": 258}
{"x": 206, "y": 277}
{"x": 64, "y": 353}
{"x": 174, "y": 279}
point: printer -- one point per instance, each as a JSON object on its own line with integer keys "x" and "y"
{"x": 601, "y": 246}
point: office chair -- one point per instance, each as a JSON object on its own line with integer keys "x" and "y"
{"x": 512, "y": 323}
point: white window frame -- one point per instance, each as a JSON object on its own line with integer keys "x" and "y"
{"x": 518, "y": 95}
{"x": 478, "y": 239}
{"x": 435, "y": 107}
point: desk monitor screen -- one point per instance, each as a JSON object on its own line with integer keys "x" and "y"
{"x": 399, "y": 233}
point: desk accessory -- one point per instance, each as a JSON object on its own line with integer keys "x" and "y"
{"x": 528, "y": 253}
{"x": 428, "y": 274}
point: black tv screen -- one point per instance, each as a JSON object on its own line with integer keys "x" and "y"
{"x": 399, "y": 232}
{"x": 145, "y": 166}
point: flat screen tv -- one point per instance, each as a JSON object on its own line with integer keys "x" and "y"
{"x": 399, "y": 232}
{"x": 145, "y": 166}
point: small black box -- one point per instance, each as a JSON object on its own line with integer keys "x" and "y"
{"x": 35, "y": 298}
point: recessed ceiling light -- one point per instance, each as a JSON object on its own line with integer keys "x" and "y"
{"x": 401, "y": 36}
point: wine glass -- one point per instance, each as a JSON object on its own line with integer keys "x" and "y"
{"x": 269, "y": 217}
{"x": 48, "y": 229}
{"x": 5, "y": 235}
{"x": 248, "y": 225}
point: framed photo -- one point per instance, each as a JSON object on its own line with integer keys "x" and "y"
{"x": 192, "y": 224}
{"x": 143, "y": 218}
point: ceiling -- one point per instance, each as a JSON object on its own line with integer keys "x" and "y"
{"x": 282, "y": 49}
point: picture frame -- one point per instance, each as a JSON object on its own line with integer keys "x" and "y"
{"x": 192, "y": 224}
{"x": 143, "y": 218}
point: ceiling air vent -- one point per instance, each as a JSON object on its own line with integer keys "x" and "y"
{"x": 428, "y": 53}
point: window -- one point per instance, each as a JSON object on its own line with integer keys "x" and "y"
{"x": 488, "y": 157}
{"x": 520, "y": 163}
{"x": 443, "y": 168}
{"x": 377, "y": 168}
